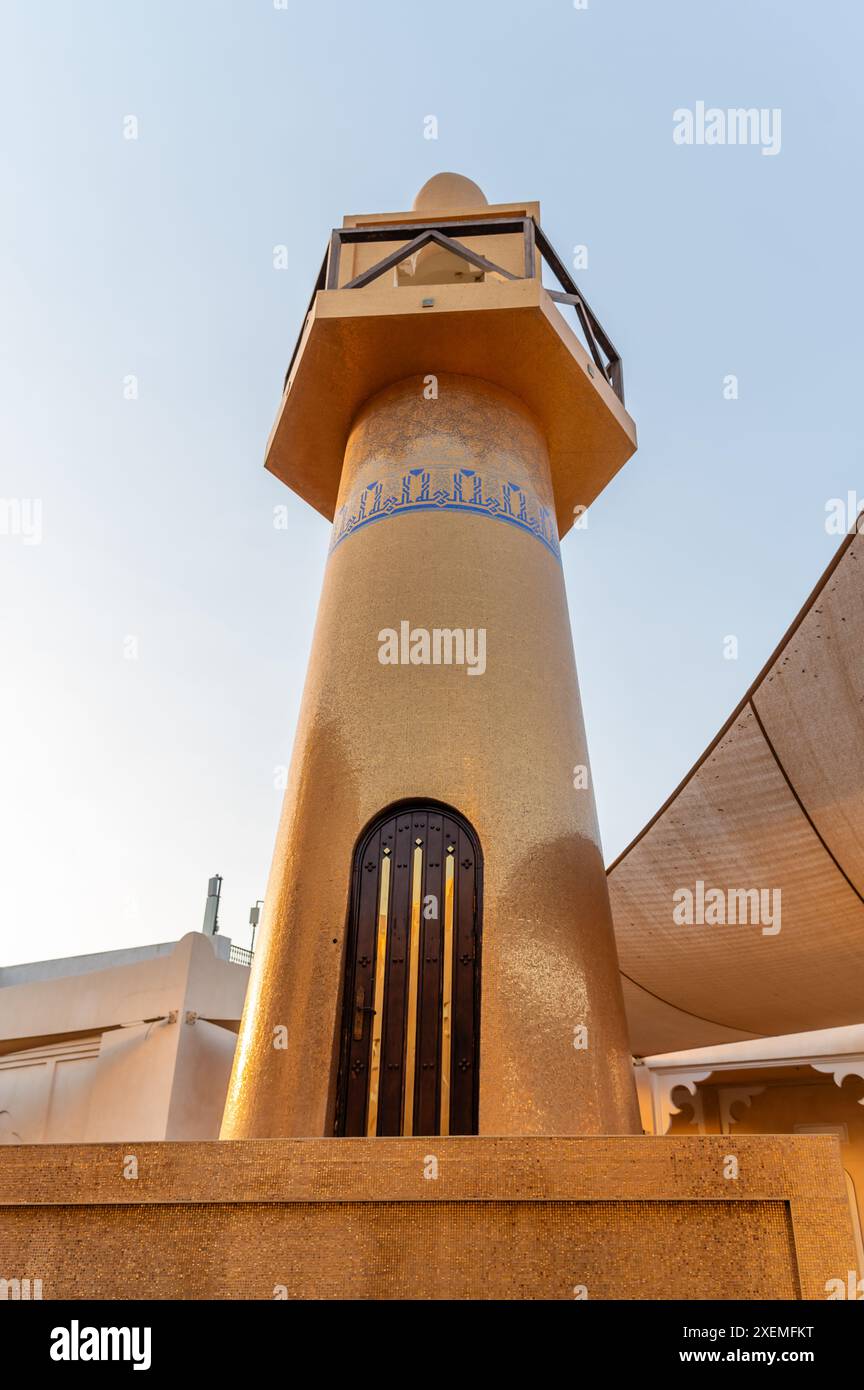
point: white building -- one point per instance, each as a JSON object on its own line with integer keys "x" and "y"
{"x": 122, "y": 1045}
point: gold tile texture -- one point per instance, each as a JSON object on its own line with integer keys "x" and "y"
{"x": 499, "y": 747}
{"x": 420, "y": 1250}
{"x": 361, "y": 1218}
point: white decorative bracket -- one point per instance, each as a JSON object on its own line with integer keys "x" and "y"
{"x": 662, "y": 1086}
{"x": 735, "y": 1095}
{"x": 849, "y": 1066}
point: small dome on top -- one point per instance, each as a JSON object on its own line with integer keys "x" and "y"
{"x": 447, "y": 192}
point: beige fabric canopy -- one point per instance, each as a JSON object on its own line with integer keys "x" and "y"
{"x": 775, "y": 802}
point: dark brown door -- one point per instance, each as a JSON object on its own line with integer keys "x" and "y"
{"x": 411, "y": 1014}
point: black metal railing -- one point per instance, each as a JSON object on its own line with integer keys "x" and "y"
{"x": 450, "y": 235}
{"x": 240, "y": 956}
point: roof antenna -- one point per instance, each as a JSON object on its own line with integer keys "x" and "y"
{"x": 211, "y": 911}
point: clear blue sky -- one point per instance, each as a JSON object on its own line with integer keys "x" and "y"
{"x": 126, "y": 783}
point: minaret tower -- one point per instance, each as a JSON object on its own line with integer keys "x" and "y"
{"x": 437, "y": 953}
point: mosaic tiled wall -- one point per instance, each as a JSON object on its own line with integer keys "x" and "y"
{"x": 633, "y": 1218}
{"x": 509, "y": 1250}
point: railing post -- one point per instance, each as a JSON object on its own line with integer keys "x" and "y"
{"x": 529, "y": 245}
{"x": 333, "y": 258}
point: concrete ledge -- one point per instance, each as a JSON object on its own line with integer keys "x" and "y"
{"x": 631, "y": 1218}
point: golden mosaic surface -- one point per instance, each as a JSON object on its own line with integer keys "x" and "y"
{"x": 634, "y": 1218}
{"x": 372, "y": 735}
{"x": 462, "y": 1250}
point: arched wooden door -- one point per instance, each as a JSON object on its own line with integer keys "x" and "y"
{"x": 411, "y": 1012}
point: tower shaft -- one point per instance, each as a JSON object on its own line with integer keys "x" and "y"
{"x": 445, "y": 524}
